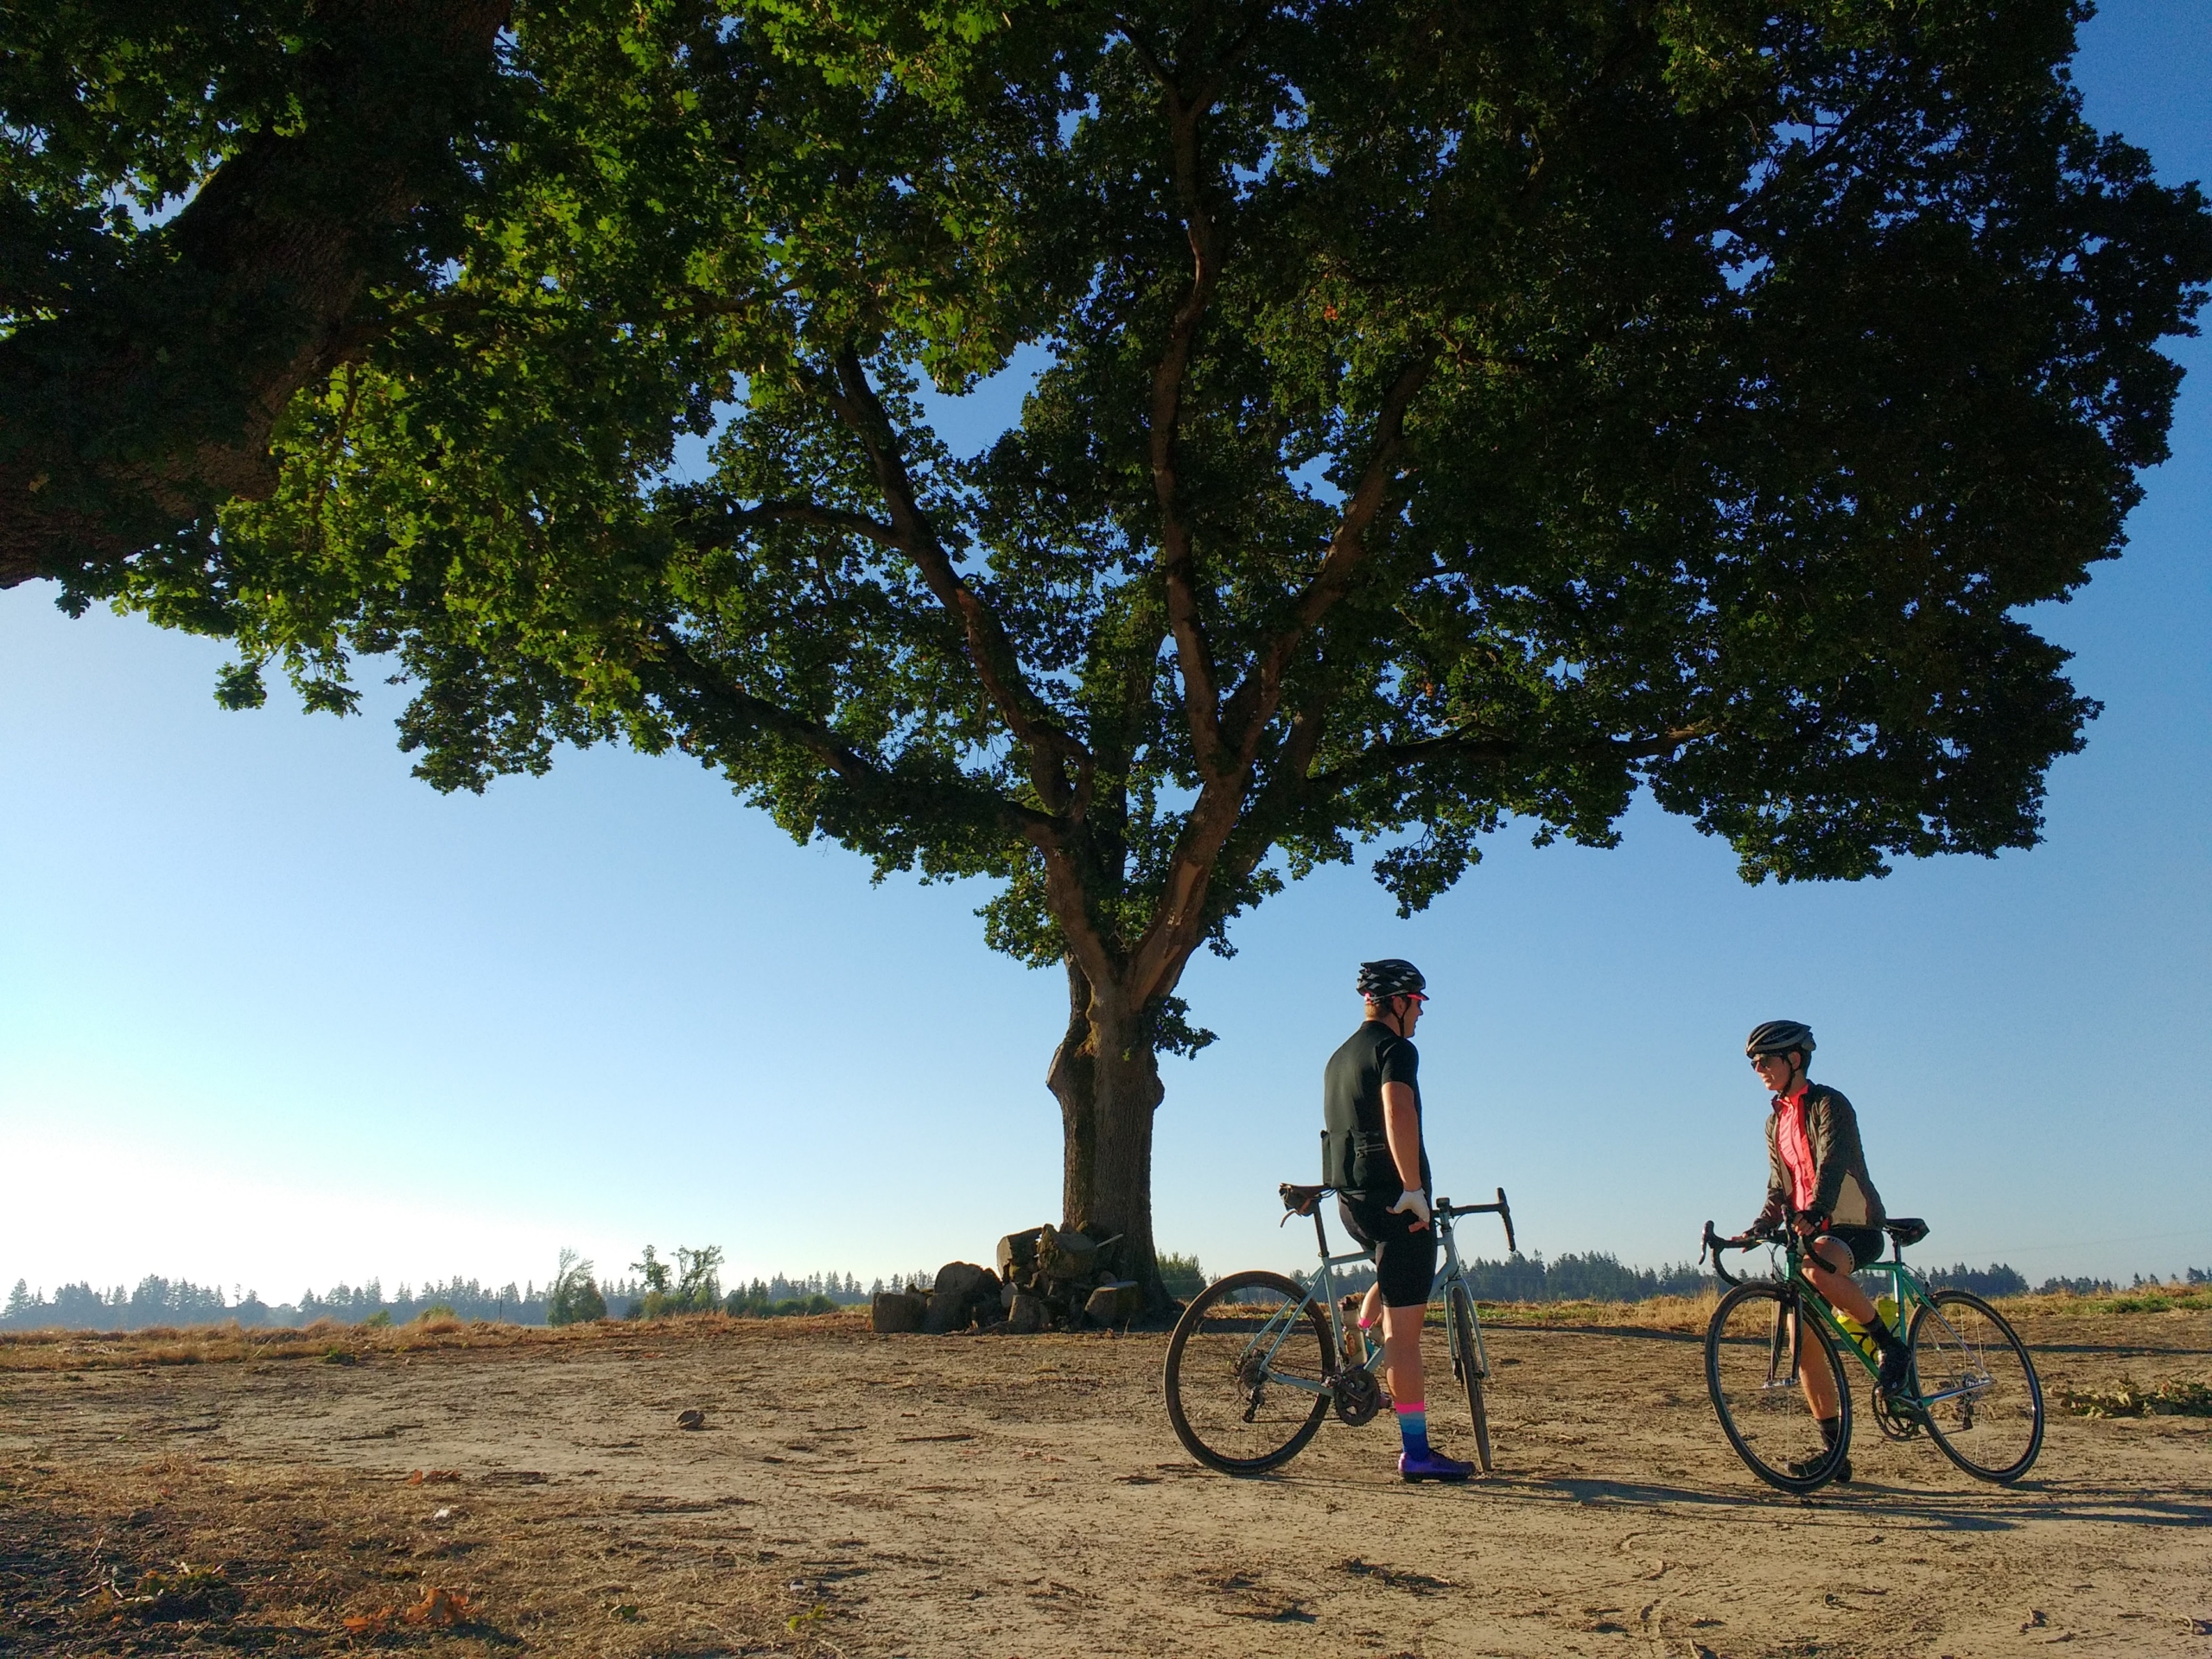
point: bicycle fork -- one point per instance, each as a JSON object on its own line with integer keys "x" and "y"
{"x": 1784, "y": 1341}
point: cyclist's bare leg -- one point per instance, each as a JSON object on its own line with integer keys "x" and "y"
{"x": 1813, "y": 1376}
{"x": 1828, "y": 1264}
{"x": 1402, "y": 1351}
{"x": 1371, "y": 1310}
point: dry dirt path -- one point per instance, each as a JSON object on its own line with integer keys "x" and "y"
{"x": 1024, "y": 1496}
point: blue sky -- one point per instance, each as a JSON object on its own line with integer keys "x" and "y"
{"x": 274, "y": 1015}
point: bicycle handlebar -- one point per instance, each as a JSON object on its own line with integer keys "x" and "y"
{"x": 1712, "y": 1245}
{"x": 1502, "y": 1209}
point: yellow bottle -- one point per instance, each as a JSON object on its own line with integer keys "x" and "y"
{"x": 1859, "y": 1338}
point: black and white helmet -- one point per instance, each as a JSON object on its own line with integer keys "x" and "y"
{"x": 1779, "y": 1037}
{"x": 1392, "y": 976}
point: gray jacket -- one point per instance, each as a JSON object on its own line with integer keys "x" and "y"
{"x": 1842, "y": 1190}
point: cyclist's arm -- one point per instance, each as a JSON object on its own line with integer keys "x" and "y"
{"x": 1402, "y": 1126}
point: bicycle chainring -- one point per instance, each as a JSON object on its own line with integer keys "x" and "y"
{"x": 1896, "y": 1423}
{"x": 1357, "y": 1396}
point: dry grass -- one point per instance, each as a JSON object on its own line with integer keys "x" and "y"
{"x": 326, "y": 1342}
{"x": 1689, "y": 1313}
{"x": 179, "y": 1555}
{"x": 2174, "y": 1297}
{"x": 2175, "y": 1396}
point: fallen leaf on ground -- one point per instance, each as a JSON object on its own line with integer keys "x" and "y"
{"x": 438, "y": 1608}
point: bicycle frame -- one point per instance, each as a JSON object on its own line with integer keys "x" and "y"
{"x": 1906, "y": 1287}
{"x": 1322, "y": 1287}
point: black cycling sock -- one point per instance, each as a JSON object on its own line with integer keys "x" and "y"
{"x": 1831, "y": 1429}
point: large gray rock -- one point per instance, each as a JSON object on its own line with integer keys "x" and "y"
{"x": 952, "y": 1298}
{"x": 1025, "y": 1315}
{"x": 1068, "y": 1257}
{"x": 1114, "y": 1304}
{"x": 898, "y": 1311}
{"x": 983, "y": 1300}
{"x": 1017, "y": 1253}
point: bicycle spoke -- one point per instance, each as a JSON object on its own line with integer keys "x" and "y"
{"x": 1978, "y": 1393}
{"x": 1753, "y": 1363}
{"x": 1245, "y": 1373}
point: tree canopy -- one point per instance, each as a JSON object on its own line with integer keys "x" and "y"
{"x": 1445, "y": 415}
{"x": 205, "y": 205}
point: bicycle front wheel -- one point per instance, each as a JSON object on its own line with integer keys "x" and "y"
{"x": 1245, "y": 1372}
{"x": 1752, "y": 1365}
{"x": 1466, "y": 1364}
{"x": 1979, "y": 1394}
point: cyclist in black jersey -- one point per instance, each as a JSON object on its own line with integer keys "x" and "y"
{"x": 1380, "y": 1169}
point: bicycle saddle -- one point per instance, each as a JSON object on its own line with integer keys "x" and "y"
{"x": 1302, "y": 1200}
{"x": 1905, "y": 1229}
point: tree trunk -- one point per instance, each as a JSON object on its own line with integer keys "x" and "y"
{"x": 1106, "y": 1076}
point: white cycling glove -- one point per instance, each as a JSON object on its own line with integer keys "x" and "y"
{"x": 1416, "y": 1203}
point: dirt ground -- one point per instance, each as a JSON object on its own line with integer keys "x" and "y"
{"x": 1024, "y": 1496}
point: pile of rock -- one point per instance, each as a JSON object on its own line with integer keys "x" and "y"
{"x": 1047, "y": 1279}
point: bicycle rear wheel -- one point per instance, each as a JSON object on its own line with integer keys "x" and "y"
{"x": 1244, "y": 1373}
{"x": 1752, "y": 1371}
{"x": 1979, "y": 1394}
{"x": 1466, "y": 1365}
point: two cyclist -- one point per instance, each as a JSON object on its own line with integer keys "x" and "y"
{"x": 1375, "y": 1160}
{"x": 1817, "y": 1182}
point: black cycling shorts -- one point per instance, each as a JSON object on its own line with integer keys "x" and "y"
{"x": 1865, "y": 1244}
{"x": 1405, "y": 1261}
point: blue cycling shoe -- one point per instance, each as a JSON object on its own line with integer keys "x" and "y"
{"x": 1432, "y": 1465}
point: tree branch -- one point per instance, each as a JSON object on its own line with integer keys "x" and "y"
{"x": 1050, "y": 747}
{"x": 1469, "y": 744}
{"x": 150, "y": 399}
{"x": 807, "y": 512}
{"x": 1178, "y": 561}
{"x": 1255, "y": 699}
{"x": 705, "y": 683}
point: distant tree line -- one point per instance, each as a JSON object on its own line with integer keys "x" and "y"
{"x": 658, "y": 1289}
{"x": 157, "y": 1302}
{"x": 1598, "y": 1276}
{"x": 655, "y": 1289}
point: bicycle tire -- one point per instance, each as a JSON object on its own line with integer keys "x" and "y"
{"x": 1761, "y": 1412}
{"x": 1466, "y": 1357}
{"x": 1219, "y": 1408}
{"x": 1992, "y": 1430}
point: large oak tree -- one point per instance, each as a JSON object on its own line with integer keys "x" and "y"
{"x": 1445, "y": 414}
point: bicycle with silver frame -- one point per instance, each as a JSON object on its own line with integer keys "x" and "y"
{"x": 1246, "y": 1394}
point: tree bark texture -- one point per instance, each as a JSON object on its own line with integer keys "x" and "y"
{"x": 1106, "y": 1076}
{"x": 130, "y": 416}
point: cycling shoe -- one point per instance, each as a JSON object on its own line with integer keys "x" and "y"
{"x": 1805, "y": 1468}
{"x": 1895, "y": 1364}
{"x": 1432, "y": 1465}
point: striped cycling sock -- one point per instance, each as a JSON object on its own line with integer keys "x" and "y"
{"x": 1413, "y": 1427}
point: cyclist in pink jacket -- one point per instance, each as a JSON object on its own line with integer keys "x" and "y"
{"x": 1817, "y": 1181}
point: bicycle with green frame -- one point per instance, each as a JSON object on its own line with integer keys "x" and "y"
{"x": 1244, "y": 1391}
{"x": 1971, "y": 1386}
